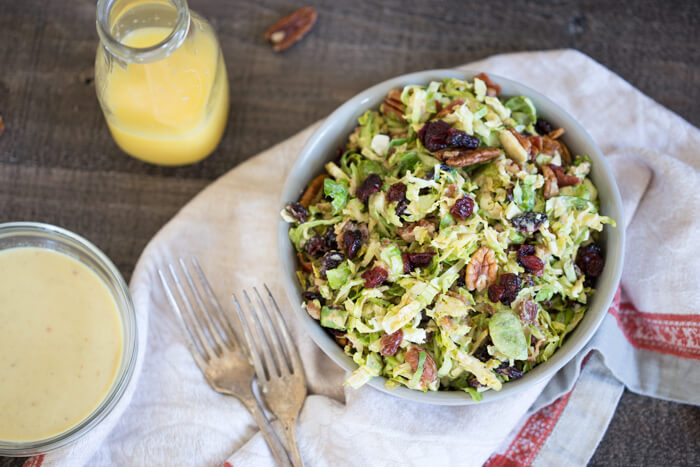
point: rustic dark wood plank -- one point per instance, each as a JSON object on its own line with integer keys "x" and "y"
{"x": 58, "y": 163}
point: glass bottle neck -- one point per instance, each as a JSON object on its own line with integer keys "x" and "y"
{"x": 116, "y": 19}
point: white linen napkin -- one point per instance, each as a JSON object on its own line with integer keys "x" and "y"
{"x": 651, "y": 342}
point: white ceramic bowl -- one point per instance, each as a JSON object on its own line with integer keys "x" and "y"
{"x": 333, "y": 133}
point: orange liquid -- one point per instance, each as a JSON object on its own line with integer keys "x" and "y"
{"x": 173, "y": 111}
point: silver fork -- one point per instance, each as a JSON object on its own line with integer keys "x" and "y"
{"x": 214, "y": 345}
{"x": 282, "y": 377}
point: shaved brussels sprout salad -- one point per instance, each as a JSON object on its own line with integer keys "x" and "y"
{"x": 451, "y": 245}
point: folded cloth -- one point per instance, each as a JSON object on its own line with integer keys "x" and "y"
{"x": 175, "y": 418}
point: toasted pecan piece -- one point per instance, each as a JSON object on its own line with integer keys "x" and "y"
{"x": 392, "y": 105}
{"x": 312, "y": 190}
{"x": 492, "y": 89}
{"x": 449, "y": 108}
{"x": 465, "y": 157}
{"x": 564, "y": 179}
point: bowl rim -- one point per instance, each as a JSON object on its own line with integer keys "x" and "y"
{"x": 127, "y": 316}
{"x": 604, "y": 293}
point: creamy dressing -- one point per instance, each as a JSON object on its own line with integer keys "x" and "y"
{"x": 60, "y": 342}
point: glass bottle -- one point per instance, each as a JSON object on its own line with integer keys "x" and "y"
{"x": 161, "y": 80}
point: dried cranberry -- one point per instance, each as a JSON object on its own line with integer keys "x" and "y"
{"x": 525, "y": 250}
{"x": 316, "y": 246}
{"x": 462, "y": 140}
{"x": 529, "y": 222}
{"x": 482, "y": 353}
{"x": 368, "y": 187}
{"x": 420, "y": 260}
{"x": 496, "y": 292}
{"x": 461, "y": 280}
{"x": 511, "y": 286}
{"x": 309, "y": 296}
{"x": 375, "y": 277}
{"x": 390, "y": 343}
{"x": 330, "y": 260}
{"x": 590, "y": 260}
{"x": 416, "y": 260}
{"x": 509, "y": 193}
{"x": 434, "y": 135}
{"x": 532, "y": 264}
{"x": 401, "y": 207}
{"x": 352, "y": 239}
{"x": 424, "y": 318}
{"x": 329, "y": 237}
{"x": 396, "y": 192}
{"x": 510, "y": 372}
{"x": 463, "y": 208}
{"x": 297, "y": 211}
{"x": 438, "y": 135}
{"x": 543, "y": 127}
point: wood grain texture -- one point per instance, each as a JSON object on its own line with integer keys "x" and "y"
{"x": 58, "y": 163}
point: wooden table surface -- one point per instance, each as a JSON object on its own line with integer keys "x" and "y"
{"x": 58, "y": 163}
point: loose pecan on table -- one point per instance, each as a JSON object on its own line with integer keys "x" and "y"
{"x": 290, "y": 29}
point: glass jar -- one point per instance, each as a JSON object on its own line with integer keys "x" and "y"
{"x": 49, "y": 237}
{"x": 161, "y": 80}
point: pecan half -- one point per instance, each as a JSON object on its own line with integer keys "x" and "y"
{"x": 492, "y": 89}
{"x": 564, "y": 179}
{"x": 290, "y": 29}
{"x": 551, "y": 187}
{"x": 305, "y": 265}
{"x": 449, "y": 108}
{"x": 429, "y": 374}
{"x": 482, "y": 269}
{"x": 312, "y": 190}
{"x": 392, "y": 105}
{"x": 465, "y": 157}
{"x": 555, "y": 134}
{"x": 550, "y": 145}
{"x": 406, "y": 231}
{"x": 2, "y": 125}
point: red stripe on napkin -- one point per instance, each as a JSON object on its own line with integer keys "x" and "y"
{"x": 532, "y": 435}
{"x": 35, "y": 461}
{"x": 672, "y": 334}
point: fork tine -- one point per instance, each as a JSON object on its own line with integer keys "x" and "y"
{"x": 223, "y": 319}
{"x": 282, "y": 326}
{"x": 203, "y": 314}
{"x": 262, "y": 342}
{"x": 252, "y": 349}
{"x": 273, "y": 337}
{"x": 190, "y": 343}
{"x": 202, "y": 340}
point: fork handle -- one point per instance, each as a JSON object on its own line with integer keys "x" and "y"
{"x": 268, "y": 433}
{"x": 290, "y": 430}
